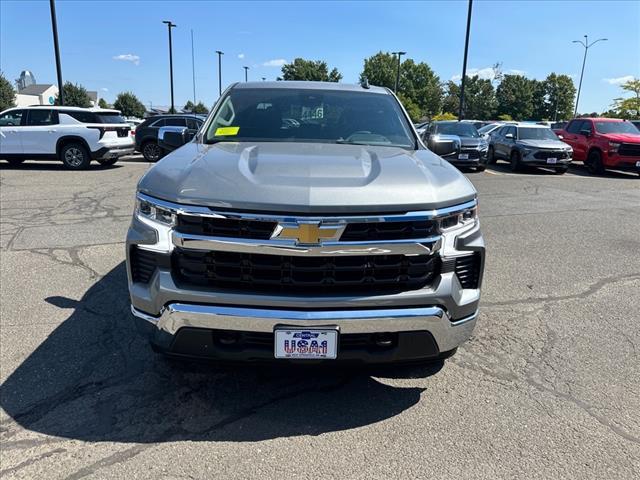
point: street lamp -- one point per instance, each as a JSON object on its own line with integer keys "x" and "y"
{"x": 219, "y": 72}
{"x": 169, "y": 27}
{"x": 246, "y": 69}
{"x": 54, "y": 27}
{"x": 586, "y": 46}
{"x": 464, "y": 62}
{"x": 398, "y": 72}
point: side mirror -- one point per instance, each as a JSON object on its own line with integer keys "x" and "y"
{"x": 170, "y": 138}
{"x": 560, "y": 136}
{"x": 445, "y": 145}
{"x": 586, "y": 133}
{"x": 509, "y": 135}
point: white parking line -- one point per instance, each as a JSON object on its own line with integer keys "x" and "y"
{"x": 492, "y": 172}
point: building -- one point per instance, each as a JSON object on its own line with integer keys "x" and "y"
{"x": 37, "y": 94}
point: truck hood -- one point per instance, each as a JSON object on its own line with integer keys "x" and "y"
{"x": 306, "y": 178}
{"x": 559, "y": 144}
{"x": 621, "y": 137}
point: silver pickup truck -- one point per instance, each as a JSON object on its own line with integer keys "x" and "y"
{"x": 305, "y": 222}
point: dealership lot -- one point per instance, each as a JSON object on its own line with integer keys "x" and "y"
{"x": 548, "y": 387}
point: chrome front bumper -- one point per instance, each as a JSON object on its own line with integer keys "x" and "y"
{"x": 447, "y": 334}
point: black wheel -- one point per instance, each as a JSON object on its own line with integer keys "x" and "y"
{"x": 594, "y": 163}
{"x": 151, "y": 151}
{"x": 515, "y": 161}
{"x": 75, "y": 156}
{"x": 107, "y": 162}
{"x": 481, "y": 167}
{"x": 14, "y": 162}
{"x": 562, "y": 170}
{"x": 491, "y": 156}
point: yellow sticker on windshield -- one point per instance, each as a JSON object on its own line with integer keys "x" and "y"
{"x": 224, "y": 131}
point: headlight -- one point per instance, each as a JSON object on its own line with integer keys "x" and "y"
{"x": 147, "y": 209}
{"x": 483, "y": 146}
{"x": 614, "y": 146}
{"x": 458, "y": 219}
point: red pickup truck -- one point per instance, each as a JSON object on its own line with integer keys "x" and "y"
{"x": 602, "y": 143}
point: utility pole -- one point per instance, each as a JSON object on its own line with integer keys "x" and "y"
{"x": 398, "y": 71}
{"x": 54, "y": 28}
{"x": 193, "y": 69}
{"x": 246, "y": 69}
{"x": 219, "y": 72}
{"x": 586, "y": 46}
{"x": 464, "y": 62}
{"x": 169, "y": 27}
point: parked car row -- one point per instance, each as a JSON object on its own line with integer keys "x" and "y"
{"x": 76, "y": 136}
{"x": 600, "y": 143}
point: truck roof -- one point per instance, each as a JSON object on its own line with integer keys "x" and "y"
{"x": 346, "y": 87}
{"x": 602, "y": 119}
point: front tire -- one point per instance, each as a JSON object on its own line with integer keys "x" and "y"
{"x": 481, "y": 167}
{"x": 594, "y": 163}
{"x": 152, "y": 152}
{"x": 562, "y": 170}
{"x": 491, "y": 156}
{"x": 75, "y": 156}
{"x": 515, "y": 161}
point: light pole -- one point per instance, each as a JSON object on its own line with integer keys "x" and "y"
{"x": 169, "y": 27}
{"x": 54, "y": 27}
{"x": 586, "y": 46}
{"x": 246, "y": 69}
{"x": 219, "y": 72}
{"x": 464, "y": 62}
{"x": 398, "y": 71}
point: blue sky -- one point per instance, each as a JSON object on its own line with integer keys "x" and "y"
{"x": 122, "y": 45}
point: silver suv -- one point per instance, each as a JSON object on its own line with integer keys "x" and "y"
{"x": 305, "y": 222}
{"x": 529, "y": 145}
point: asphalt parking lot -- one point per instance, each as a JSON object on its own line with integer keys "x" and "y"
{"x": 548, "y": 387}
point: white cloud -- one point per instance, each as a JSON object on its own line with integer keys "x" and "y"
{"x": 128, "y": 57}
{"x": 241, "y": 56}
{"x": 278, "y": 62}
{"x": 487, "y": 73}
{"x": 104, "y": 89}
{"x": 618, "y": 80}
{"x": 515, "y": 71}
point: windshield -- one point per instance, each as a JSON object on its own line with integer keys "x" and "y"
{"x": 616, "y": 127}
{"x": 110, "y": 118}
{"x": 488, "y": 128}
{"x": 316, "y": 116}
{"x": 457, "y": 128}
{"x": 536, "y": 134}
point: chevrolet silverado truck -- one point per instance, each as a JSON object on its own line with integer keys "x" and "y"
{"x": 336, "y": 237}
{"x": 603, "y": 143}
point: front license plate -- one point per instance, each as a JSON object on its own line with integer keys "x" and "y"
{"x": 314, "y": 343}
{"x": 463, "y": 156}
{"x": 552, "y": 160}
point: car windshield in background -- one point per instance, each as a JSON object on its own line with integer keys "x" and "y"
{"x": 488, "y": 128}
{"x": 536, "y": 134}
{"x": 458, "y": 128}
{"x": 616, "y": 127}
{"x": 316, "y": 116}
{"x": 110, "y": 118}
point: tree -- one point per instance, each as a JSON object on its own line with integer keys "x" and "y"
{"x": 418, "y": 83}
{"x": 129, "y": 105}
{"x": 75, "y": 95}
{"x": 629, "y": 107}
{"x": 479, "y": 98}
{"x": 310, "y": 70}
{"x": 412, "y": 109}
{"x": 505, "y": 118}
{"x": 188, "y": 107}
{"x": 559, "y": 94}
{"x": 7, "y": 94}
{"x": 444, "y": 116}
{"x": 102, "y": 103}
{"x": 515, "y": 97}
{"x": 200, "y": 108}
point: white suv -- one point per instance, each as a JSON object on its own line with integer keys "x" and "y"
{"x": 70, "y": 134}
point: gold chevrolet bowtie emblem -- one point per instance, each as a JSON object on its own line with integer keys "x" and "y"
{"x": 308, "y": 233}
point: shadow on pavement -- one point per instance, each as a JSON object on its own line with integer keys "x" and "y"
{"x": 95, "y": 379}
{"x": 52, "y": 165}
{"x": 575, "y": 169}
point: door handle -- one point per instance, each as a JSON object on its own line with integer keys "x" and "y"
{"x": 51, "y": 131}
